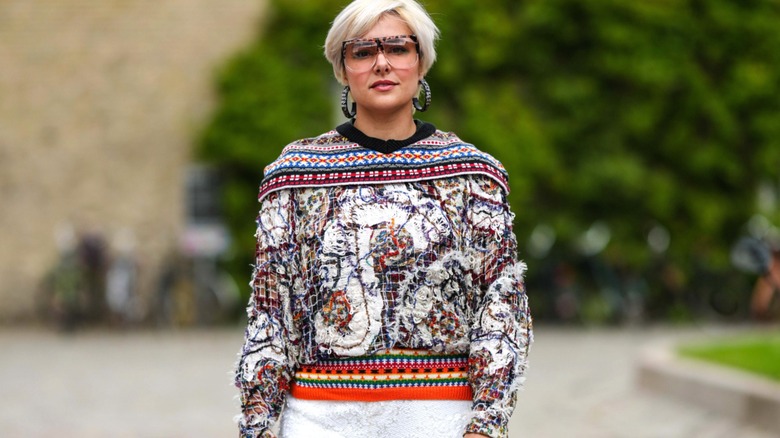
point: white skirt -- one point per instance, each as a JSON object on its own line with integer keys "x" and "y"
{"x": 391, "y": 419}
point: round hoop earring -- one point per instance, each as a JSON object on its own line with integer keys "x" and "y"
{"x": 426, "y": 89}
{"x": 349, "y": 112}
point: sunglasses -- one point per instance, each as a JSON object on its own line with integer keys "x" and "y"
{"x": 401, "y": 51}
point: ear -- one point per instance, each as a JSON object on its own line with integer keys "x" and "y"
{"x": 344, "y": 79}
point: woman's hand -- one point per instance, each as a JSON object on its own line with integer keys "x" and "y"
{"x": 475, "y": 435}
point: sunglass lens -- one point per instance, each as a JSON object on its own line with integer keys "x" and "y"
{"x": 362, "y": 50}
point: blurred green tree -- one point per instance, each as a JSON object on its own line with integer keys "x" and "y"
{"x": 639, "y": 121}
{"x": 271, "y": 93}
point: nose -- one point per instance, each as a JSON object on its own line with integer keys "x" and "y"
{"x": 380, "y": 62}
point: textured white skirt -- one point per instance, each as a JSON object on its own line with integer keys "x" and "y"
{"x": 391, "y": 419}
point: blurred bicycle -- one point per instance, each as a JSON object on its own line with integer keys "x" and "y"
{"x": 194, "y": 289}
{"x": 72, "y": 292}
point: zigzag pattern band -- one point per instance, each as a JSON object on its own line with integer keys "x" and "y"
{"x": 392, "y": 374}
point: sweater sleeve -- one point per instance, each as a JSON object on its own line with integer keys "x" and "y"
{"x": 266, "y": 361}
{"x": 501, "y": 328}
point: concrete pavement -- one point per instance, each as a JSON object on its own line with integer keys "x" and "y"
{"x": 178, "y": 384}
{"x": 583, "y": 383}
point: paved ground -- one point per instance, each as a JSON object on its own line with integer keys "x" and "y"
{"x": 177, "y": 384}
{"x": 582, "y": 384}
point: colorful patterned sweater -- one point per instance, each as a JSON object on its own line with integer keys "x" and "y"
{"x": 368, "y": 248}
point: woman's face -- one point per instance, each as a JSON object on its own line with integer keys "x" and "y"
{"x": 385, "y": 89}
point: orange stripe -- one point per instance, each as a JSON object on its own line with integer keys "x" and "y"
{"x": 383, "y": 394}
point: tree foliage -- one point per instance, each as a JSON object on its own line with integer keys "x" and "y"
{"x": 639, "y": 117}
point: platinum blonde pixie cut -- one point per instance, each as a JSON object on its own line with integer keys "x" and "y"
{"x": 360, "y": 16}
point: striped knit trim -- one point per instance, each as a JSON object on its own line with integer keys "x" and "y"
{"x": 331, "y": 160}
{"x": 395, "y": 374}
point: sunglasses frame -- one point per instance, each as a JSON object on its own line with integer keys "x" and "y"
{"x": 379, "y": 41}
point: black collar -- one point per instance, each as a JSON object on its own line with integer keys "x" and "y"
{"x": 348, "y": 130}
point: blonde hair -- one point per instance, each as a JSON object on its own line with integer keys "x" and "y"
{"x": 360, "y": 16}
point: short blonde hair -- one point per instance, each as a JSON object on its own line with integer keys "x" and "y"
{"x": 360, "y": 16}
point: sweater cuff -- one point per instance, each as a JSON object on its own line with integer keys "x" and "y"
{"x": 248, "y": 432}
{"x": 255, "y": 426}
{"x": 487, "y": 423}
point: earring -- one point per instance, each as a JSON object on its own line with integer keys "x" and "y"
{"x": 349, "y": 112}
{"x": 426, "y": 89}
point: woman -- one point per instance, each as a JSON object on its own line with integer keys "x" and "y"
{"x": 387, "y": 300}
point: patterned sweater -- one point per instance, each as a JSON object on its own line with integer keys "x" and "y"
{"x": 364, "y": 247}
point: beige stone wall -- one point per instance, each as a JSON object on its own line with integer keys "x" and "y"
{"x": 100, "y": 101}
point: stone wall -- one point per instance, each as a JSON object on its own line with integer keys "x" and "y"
{"x": 100, "y": 101}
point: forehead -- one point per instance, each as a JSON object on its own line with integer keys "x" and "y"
{"x": 388, "y": 25}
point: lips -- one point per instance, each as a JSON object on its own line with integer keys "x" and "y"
{"x": 383, "y": 85}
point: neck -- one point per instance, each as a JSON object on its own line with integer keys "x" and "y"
{"x": 396, "y": 126}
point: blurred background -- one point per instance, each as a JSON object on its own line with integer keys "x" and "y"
{"x": 642, "y": 140}
{"x": 101, "y": 106}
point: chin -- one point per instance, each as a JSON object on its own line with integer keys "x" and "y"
{"x": 388, "y": 107}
